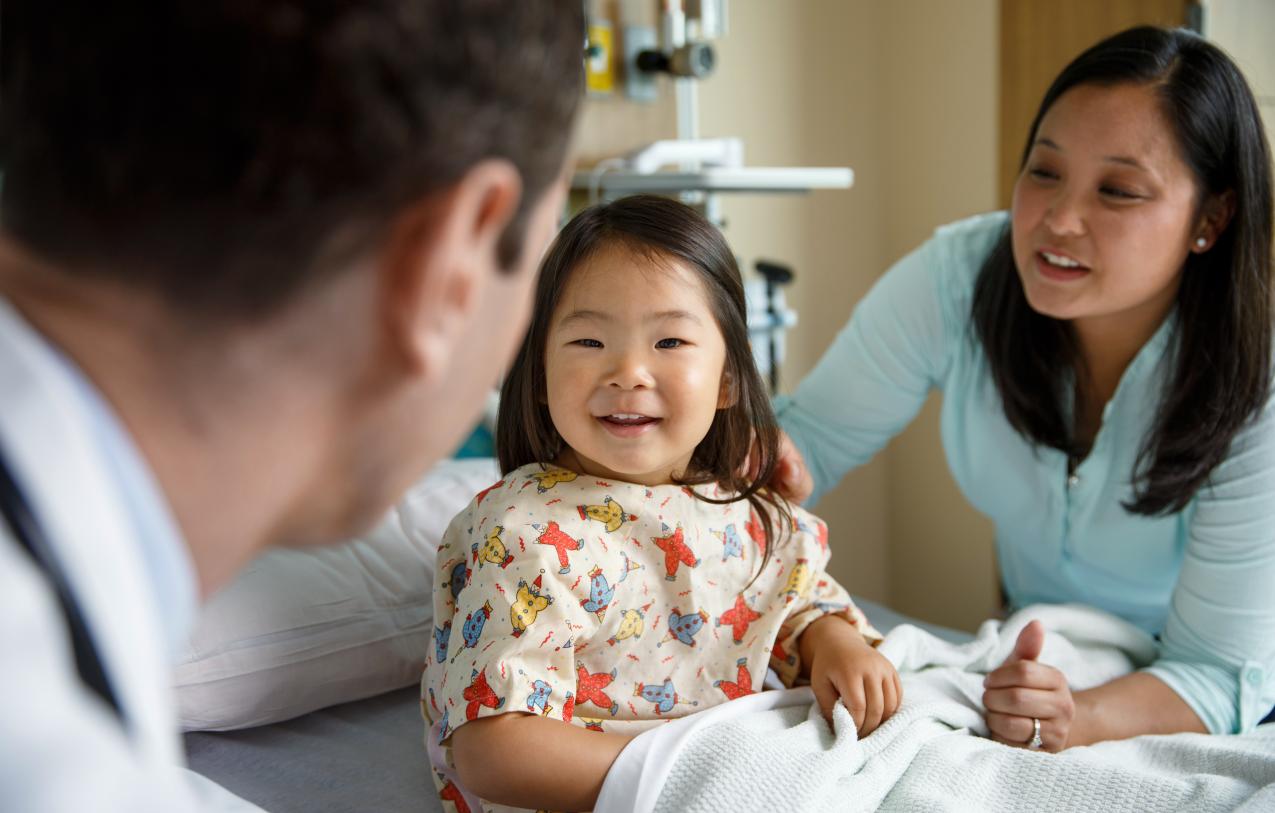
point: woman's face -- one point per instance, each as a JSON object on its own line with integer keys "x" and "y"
{"x": 1105, "y": 210}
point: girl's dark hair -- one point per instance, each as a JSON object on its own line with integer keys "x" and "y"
{"x": 1221, "y": 355}
{"x": 659, "y": 229}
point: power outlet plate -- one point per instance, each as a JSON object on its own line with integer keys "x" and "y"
{"x": 639, "y": 85}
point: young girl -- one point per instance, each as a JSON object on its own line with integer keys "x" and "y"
{"x": 625, "y": 571}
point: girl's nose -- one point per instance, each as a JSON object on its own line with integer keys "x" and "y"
{"x": 630, "y": 371}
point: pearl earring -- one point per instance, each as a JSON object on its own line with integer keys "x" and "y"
{"x": 1200, "y": 242}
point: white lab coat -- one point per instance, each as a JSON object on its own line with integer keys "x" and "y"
{"x": 61, "y": 748}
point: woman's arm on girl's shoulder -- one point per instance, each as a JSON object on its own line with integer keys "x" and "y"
{"x": 896, "y": 347}
{"x": 524, "y": 760}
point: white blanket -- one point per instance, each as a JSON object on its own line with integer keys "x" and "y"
{"x": 773, "y": 751}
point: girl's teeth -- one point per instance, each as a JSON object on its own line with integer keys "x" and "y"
{"x": 1062, "y": 262}
{"x": 630, "y": 419}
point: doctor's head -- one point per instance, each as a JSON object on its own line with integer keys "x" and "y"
{"x": 347, "y": 198}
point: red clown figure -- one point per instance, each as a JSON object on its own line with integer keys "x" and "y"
{"x": 561, "y": 542}
{"x": 738, "y": 618}
{"x": 742, "y": 685}
{"x": 451, "y": 793}
{"x": 589, "y": 689}
{"x": 676, "y": 553}
{"x": 479, "y": 693}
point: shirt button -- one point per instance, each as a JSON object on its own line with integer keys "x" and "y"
{"x": 1254, "y": 677}
{"x": 1073, "y": 481}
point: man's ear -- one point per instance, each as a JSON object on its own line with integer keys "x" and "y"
{"x": 440, "y": 256}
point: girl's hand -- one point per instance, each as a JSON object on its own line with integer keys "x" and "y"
{"x": 845, "y": 667}
{"x": 1021, "y": 691}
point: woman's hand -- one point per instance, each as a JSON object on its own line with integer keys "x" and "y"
{"x": 845, "y": 667}
{"x": 1021, "y": 690}
{"x": 791, "y": 478}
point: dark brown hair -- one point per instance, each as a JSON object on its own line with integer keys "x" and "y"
{"x": 226, "y": 155}
{"x": 1221, "y": 355}
{"x": 659, "y": 229}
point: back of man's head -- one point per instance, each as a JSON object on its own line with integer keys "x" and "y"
{"x": 228, "y": 155}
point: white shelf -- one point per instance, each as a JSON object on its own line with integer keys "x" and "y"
{"x": 716, "y": 179}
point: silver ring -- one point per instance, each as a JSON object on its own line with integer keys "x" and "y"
{"x": 1035, "y": 743}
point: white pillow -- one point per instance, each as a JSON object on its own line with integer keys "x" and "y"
{"x": 304, "y": 629}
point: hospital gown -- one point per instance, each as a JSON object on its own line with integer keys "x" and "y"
{"x": 614, "y": 606}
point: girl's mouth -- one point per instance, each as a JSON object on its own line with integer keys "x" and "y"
{"x": 628, "y": 425}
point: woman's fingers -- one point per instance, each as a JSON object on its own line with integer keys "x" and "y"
{"x": 791, "y": 478}
{"x": 1030, "y": 674}
{"x": 1010, "y": 714}
{"x": 1010, "y": 728}
{"x": 1017, "y": 731}
{"x": 1024, "y": 702}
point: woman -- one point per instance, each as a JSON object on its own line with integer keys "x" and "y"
{"x": 1104, "y": 350}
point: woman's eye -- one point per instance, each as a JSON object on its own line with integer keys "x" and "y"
{"x": 1042, "y": 174}
{"x": 669, "y": 344}
{"x": 587, "y": 342}
{"x": 1117, "y": 192}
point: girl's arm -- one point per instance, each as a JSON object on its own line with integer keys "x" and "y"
{"x": 524, "y": 760}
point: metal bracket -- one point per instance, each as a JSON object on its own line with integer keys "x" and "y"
{"x": 639, "y": 85}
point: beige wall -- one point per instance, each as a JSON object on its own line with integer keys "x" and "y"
{"x": 796, "y": 83}
{"x": 904, "y": 93}
{"x": 1246, "y": 29}
{"x": 941, "y": 159}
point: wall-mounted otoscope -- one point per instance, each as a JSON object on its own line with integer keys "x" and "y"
{"x": 694, "y": 60}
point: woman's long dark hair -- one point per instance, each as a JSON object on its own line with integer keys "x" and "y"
{"x": 1221, "y": 355}
{"x": 659, "y": 229}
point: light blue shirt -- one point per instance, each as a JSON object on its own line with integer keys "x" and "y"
{"x": 1203, "y": 579}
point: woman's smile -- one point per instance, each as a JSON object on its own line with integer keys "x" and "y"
{"x": 1059, "y": 267}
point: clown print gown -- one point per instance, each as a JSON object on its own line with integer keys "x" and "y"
{"x": 612, "y": 606}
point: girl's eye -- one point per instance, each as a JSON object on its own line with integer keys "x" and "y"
{"x": 669, "y": 344}
{"x": 1042, "y": 174}
{"x": 587, "y": 342}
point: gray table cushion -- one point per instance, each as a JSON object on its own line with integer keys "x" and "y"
{"x": 362, "y": 756}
